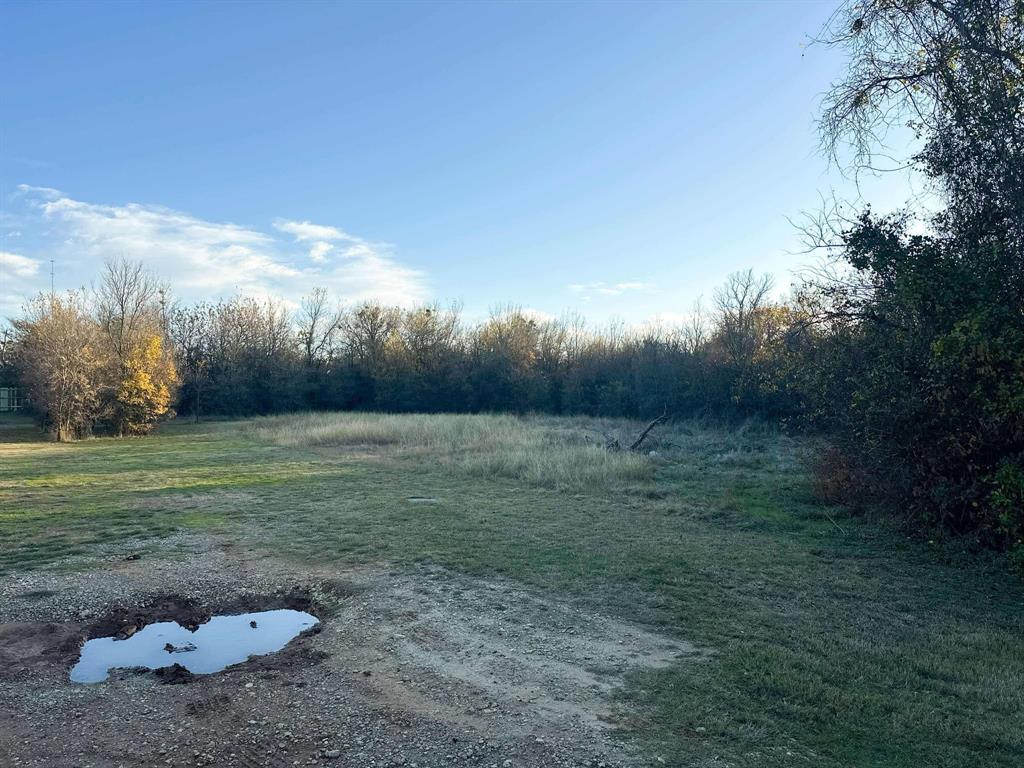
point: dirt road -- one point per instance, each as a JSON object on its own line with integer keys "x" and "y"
{"x": 415, "y": 667}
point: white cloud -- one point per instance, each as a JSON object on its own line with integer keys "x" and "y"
{"x": 667, "y": 322}
{"x": 207, "y": 259}
{"x": 672, "y": 319}
{"x": 366, "y": 270}
{"x": 319, "y": 250}
{"x": 378, "y": 276}
{"x": 16, "y": 265}
{"x": 18, "y": 275}
{"x": 306, "y": 230}
{"x": 47, "y": 193}
{"x": 358, "y": 249}
{"x": 537, "y": 315}
{"x": 588, "y": 290}
{"x": 195, "y": 255}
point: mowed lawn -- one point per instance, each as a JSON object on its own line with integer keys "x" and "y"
{"x": 833, "y": 640}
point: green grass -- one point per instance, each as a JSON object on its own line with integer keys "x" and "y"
{"x": 835, "y": 641}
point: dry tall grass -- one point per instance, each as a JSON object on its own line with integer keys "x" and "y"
{"x": 538, "y": 450}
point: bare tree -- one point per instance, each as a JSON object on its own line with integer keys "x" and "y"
{"x": 429, "y": 334}
{"x": 576, "y": 337}
{"x": 365, "y": 333}
{"x": 552, "y": 343}
{"x": 739, "y": 302}
{"x": 128, "y": 297}
{"x": 694, "y": 333}
{"x": 920, "y": 61}
{"x": 62, "y": 361}
{"x": 319, "y": 326}
{"x": 511, "y": 335}
{"x": 191, "y": 330}
{"x": 953, "y": 72}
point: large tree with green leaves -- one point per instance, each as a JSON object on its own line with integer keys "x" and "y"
{"x": 924, "y": 370}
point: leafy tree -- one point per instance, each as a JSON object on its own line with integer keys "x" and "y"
{"x": 925, "y": 332}
{"x": 144, "y": 387}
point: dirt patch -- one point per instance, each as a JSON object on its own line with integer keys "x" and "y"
{"x": 32, "y": 650}
{"x": 413, "y": 666}
{"x": 174, "y": 675}
{"x": 522, "y": 654}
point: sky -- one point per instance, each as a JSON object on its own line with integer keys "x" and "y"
{"x": 617, "y": 160}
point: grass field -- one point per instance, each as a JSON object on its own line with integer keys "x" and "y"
{"x": 835, "y": 641}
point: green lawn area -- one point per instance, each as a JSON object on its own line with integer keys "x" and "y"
{"x": 835, "y": 641}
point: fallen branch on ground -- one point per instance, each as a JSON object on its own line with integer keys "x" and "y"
{"x": 643, "y": 435}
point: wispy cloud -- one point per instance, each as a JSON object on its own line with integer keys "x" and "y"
{"x": 307, "y": 230}
{"x": 365, "y": 269}
{"x": 588, "y": 291}
{"x": 17, "y": 277}
{"x": 202, "y": 258}
{"x": 46, "y": 193}
{"x": 16, "y": 265}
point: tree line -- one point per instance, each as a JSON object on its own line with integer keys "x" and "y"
{"x": 246, "y": 356}
{"x": 906, "y": 348}
{"x": 89, "y": 357}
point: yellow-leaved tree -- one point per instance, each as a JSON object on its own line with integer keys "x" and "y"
{"x": 141, "y": 378}
{"x": 146, "y": 384}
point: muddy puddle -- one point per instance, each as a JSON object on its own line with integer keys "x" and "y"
{"x": 212, "y": 646}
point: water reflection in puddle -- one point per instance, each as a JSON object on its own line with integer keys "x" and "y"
{"x": 219, "y": 643}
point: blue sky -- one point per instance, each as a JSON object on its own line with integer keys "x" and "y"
{"x": 616, "y": 159}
